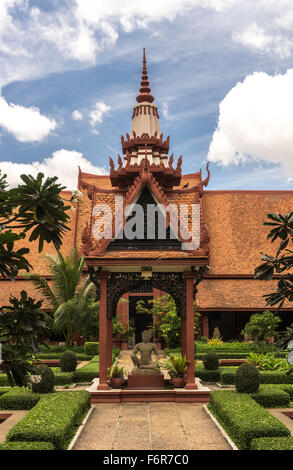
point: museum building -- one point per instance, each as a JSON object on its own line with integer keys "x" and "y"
{"x": 217, "y": 269}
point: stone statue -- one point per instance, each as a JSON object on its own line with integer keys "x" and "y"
{"x": 144, "y": 364}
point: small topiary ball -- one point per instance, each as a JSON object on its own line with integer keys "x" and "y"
{"x": 67, "y": 361}
{"x": 211, "y": 361}
{"x": 43, "y": 380}
{"x": 247, "y": 379}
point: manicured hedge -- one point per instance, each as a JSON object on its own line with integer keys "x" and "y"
{"x": 208, "y": 375}
{"x": 3, "y": 380}
{"x": 272, "y": 443}
{"x": 272, "y": 399}
{"x": 18, "y": 398}
{"x": 54, "y": 355}
{"x": 222, "y": 355}
{"x": 267, "y": 377}
{"x": 88, "y": 372}
{"x": 4, "y": 390}
{"x": 227, "y": 377}
{"x": 54, "y": 419}
{"x": 243, "y": 418}
{"x": 91, "y": 348}
{"x": 60, "y": 349}
{"x": 26, "y": 446}
{"x": 234, "y": 350}
{"x": 63, "y": 378}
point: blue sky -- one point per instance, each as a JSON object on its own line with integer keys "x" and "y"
{"x": 221, "y": 72}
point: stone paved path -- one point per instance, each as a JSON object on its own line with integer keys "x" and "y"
{"x": 150, "y": 426}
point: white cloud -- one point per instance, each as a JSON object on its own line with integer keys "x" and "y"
{"x": 26, "y": 124}
{"x": 258, "y": 39}
{"x": 77, "y": 115}
{"x": 256, "y": 122}
{"x": 254, "y": 37}
{"x": 165, "y": 110}
{"x": 63, "y": 163}
{"x": 97, "y": 114}
{"x": 35, "y": 42}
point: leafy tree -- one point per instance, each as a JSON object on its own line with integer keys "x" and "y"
{"x": 281, "y": 263}
{"x": 167, "y": 322}
{"x": 34, "y": 207}
{"x": 72, "y": 296}
{"x": 24, "y": 325}
{"x": 262, "y": 326}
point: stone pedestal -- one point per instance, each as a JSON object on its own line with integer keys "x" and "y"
{"x": 150, "y": 380}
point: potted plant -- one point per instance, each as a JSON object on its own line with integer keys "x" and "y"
{"x": 116, "y": 375}
{"x": 117, "y": 332}
{"x": 176, "y": 364}
{"x": 126, "y": 334}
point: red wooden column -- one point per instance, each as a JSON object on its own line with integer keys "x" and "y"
{"x": 189, "y": 329}
{"x": 109, "y": 342}
{"x": 104, "y": 332}
{"x": 183, "y": 336}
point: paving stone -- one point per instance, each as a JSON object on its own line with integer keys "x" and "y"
{"x": 150, "y": 426}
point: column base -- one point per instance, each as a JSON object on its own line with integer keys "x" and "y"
{"x": 191, "y": 386}
{"x": 103, "y": 387}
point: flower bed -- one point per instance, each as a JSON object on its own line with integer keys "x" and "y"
{"x": 243, "y": 418}
{"x": 54, "y": 419}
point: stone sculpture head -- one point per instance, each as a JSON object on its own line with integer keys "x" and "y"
{"x": 146, "y": 336}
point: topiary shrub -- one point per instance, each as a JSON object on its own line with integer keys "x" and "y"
{"x": 247, "y": 379}
{"x": 46, "y": 383}
{"x": 211, "y": 361}
{"x": 67, "y": 361}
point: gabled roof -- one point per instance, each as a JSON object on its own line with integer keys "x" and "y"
{"x": 190, "y": 195}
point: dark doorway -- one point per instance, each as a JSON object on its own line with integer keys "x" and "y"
{"x": 140, "y": 321}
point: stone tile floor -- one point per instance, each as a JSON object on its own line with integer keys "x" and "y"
{"x": 150, "y": 426}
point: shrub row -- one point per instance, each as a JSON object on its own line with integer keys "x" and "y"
{"x": 4, "y": 390}
{"x": 272, "y": 443}
{"x": 54, "y": 419}
{"x": 208, "y": 375}
{"x": 91, "y": 348}
{"x": 227, "y": 377}
{"x": 222, "y": 355}
{"x": 63, "y": 378}
{"x": 60, "y": 349}
{"x": 26, "y": 446}
{"x": 55, "y": 355}
{"x": 3, "y": 380}
{"x": 88, "y": 372}
{"x": 271, "y": 399}
{"x": 243, "y": 418}
{"x": 18, "y": 398}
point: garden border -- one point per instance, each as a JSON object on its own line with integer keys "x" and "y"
{"x": 220, "y": 428}
{"x": 80, "y": 429}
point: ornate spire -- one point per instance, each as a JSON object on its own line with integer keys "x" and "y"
{"x": 145, "y": 94}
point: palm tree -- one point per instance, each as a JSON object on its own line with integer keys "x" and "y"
{"x": 72, "y": 296}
